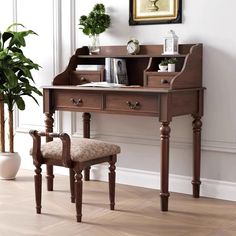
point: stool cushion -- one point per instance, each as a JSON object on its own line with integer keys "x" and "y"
{"x": 82, "y": 149}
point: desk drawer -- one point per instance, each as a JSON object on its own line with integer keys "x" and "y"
{"x": 132, "y": 103}
{"x": 82, "y": 77}
{"x": 74, "y": 100}
{"x": 159, "y": 81}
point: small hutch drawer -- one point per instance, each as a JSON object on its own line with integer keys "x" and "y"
{"x": 132, "y": 103}
{"x": 82, "y": 77}
{"x": 77, "y": 101}
{"x": 158, "y": 81}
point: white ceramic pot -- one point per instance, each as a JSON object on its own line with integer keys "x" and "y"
{"x": 9, "y": 164}
{"x": 162, "y": 68}
{"x": 171, "y": 67}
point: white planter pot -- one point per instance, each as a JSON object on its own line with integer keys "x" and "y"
{"x": 9, "y": 164}
{"x": 171, "y": 67}
{"x": 162, "y": 68}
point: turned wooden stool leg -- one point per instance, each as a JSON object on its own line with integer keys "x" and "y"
{"x": 197, "y": 124}
{"x": 38, "y": 188}
{"x": 78, "y": 194}
{"x": 87, "y": 173}
{"x": 72, "y": 185}
{"x": 50, "y": 177}
{"x": 112, "y": 182}
{"x": 164, "y": 193}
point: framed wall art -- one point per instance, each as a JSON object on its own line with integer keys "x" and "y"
{"x": 143, "y": 12}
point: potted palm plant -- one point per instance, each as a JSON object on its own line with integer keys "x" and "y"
{"x": 94, "y": 24}
{"x": 16, "y": 81}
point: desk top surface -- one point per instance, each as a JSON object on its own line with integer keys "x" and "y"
{"x": 122, "y": 90}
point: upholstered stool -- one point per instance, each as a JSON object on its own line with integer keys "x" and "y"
{"x": 75, "y": 154}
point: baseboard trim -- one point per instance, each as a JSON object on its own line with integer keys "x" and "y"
{"x": 177, "y": 183}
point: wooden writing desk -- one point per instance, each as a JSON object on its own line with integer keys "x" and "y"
{"x": 162, "y": 94}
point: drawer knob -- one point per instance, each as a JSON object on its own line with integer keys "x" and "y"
{"x": 83, "y": 79}
{"x": 164, "y": 81}
{"x": 133, "y": 106}
{"x": 76, "y": 102}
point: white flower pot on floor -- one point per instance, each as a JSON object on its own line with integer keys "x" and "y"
{"x": 9, "y": 164}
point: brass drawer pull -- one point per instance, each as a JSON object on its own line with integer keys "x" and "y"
{"x": 164, "y": 81}
{"x": 134, "y": 106}
{"x": 76, "y": 102}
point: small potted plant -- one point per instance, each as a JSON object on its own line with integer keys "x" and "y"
{"x": 163, "y": 65}
{"x": 94, "y": 24}
{"x": 16, "y": 81}
{"x": 171, "y": 64}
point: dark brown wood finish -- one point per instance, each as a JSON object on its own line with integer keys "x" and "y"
{"x": 163, "y": 95}
{"x": 112, "y": 177}
{"x": 72, "y": 184}
{"x": 72, "y": 100}
{"x": 86, "y": 134}
{"x": 49, "y": 128}
{"x": 38, "y": 188}
{"x": 75, "y": 167}
{"x": 78, "y": 194}
{"x": 164, "y": 192}
{"x": 158, "y": 79}
{"x": 197, "y": 125}
{"x": 82, "y": 77}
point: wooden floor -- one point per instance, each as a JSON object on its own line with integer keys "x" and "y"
{"x": 137, "y": 212}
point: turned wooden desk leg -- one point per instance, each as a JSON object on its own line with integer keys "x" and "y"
{"x": 164, "y": 193}
{"x": 86, "y": 134}
{"x": 197, "y": 124}
{"x": 49, "y": 128}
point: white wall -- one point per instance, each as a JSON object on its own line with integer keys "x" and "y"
{"x": 203, "y": 21}
{"x": 207, "y": 22}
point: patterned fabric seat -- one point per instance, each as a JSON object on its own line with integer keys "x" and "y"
{"x": 75, "y": 154}
{"x": 82, "y": 149}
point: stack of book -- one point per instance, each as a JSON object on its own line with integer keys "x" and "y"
{"x": 90, "y": 67}
{"x": 116, "y": 71}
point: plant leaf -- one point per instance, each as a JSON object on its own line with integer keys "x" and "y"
{"x": 16, "y": 78}
{"x": 14, "y": 24}
{"x": 20, "y": 102}
{"x": 11, "y": 79}
{"x": 6, "y": 36}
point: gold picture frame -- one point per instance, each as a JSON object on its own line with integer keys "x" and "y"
{"x": 155, "y": 12}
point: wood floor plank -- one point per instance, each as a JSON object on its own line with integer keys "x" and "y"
{"x": 137, "y": 212}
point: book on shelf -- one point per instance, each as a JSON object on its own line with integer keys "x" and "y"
{"x": 116, "y": 71}
{"x": 90, "y": 67}
{"x": 109, "y": 70}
